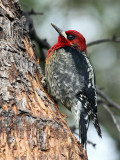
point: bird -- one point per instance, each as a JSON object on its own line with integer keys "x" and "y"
{"x": 71, "y": 79}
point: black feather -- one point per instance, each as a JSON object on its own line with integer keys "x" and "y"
{"x": 91, "y": 113}
{"x": 83, "y": 127}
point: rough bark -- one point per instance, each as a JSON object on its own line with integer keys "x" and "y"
{"x": 31, "y": 126}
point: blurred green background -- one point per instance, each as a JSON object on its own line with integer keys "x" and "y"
{"x": 95, "y": 20}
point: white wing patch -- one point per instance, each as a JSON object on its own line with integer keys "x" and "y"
{"x": 91, "y": 77}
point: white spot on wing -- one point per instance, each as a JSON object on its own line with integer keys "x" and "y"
{"x": 91, "y": 72}
{"x": 89, "y": 85}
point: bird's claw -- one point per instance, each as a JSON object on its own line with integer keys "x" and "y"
{"x": 43, "y": 81}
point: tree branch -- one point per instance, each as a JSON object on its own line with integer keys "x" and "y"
{"x": 110, "y": 102}
{"x": 93, "y": 144}
{"x": 113, "y": 117}
{"x": 32, "y": 12}
{"x": 73, "y": 128}
{"x": 29, "y": 26}
{"x": 113, "y": 39}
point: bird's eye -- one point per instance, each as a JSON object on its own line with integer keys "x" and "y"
{"x": 70, "y": 37}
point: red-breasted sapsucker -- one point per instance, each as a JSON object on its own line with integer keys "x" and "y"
{"x": 71, "y": 79}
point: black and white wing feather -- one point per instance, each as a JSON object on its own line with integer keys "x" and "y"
{"x": 88, "y": 95}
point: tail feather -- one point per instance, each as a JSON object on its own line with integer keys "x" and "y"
{"x": 91, "y": 113}
{"x": 93, "y": 117}
{"x": 83, "y": 127}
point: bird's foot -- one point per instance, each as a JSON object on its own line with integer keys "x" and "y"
{"x": 43, "y": 81}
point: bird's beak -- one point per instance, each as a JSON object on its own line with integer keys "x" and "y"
{"x": 61, "y": 33}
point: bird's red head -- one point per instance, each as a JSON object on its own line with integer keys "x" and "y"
{"x": 69, "y": 38}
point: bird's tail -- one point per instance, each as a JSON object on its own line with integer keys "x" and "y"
{"x": 83, "y": 127}
{"x": 93, "y": 117}
{"x": 91, "y": 113}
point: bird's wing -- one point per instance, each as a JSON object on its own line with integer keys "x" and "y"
{"x": 90, "y": 85}
{"x": 85, "y": 69}
{"x": 87, "y": 95}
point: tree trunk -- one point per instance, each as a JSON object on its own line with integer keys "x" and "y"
{"x": 31, "y": 126}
